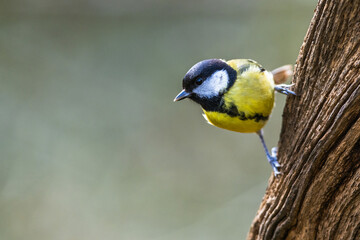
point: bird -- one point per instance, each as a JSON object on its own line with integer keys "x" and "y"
{"x": 237, "y": 95}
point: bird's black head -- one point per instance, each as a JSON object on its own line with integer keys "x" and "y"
{"x": 206, "y": 82}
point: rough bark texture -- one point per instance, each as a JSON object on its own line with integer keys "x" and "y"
{"x": 318, "y": 195}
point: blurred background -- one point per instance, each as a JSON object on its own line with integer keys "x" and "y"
{"x": 92, "y": 145}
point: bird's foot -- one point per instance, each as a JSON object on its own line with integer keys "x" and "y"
{"x": 273, "y": 161}
{"x": 274, "y": 151}
{"x": 284, "y": 89}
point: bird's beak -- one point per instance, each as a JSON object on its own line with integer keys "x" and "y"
{"x": 182, "y": 95}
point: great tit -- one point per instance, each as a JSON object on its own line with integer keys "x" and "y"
{"x": 237, "y": 95}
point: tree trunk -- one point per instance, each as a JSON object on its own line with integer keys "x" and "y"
{"x": 318, "y": 195}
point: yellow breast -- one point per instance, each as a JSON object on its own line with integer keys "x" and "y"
{"x": 248, "y": 102}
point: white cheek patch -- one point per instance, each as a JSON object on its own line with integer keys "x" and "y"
{"x": 213, "y": 85}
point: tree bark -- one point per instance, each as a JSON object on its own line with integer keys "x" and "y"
{"x": 318, "y": 195}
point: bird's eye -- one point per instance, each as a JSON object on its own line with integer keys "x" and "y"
{"x": 199, "y": 81}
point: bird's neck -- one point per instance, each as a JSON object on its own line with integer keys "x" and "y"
{"x": 212, "y": 104}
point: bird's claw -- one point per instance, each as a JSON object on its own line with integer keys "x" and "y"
{"x": 284, "y": 89}
{"x": 274, "y": 151}
{"x": 273, "y": 161}
{"x": 272, "y": 158}
{"x": 275, "y": 165}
